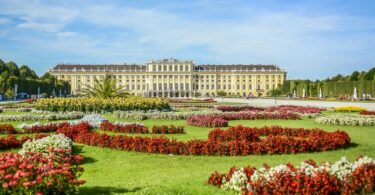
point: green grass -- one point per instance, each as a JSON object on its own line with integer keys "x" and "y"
{"x": 114, "y": 171}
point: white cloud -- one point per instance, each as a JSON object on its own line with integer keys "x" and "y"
{"x": 4, "y": 21}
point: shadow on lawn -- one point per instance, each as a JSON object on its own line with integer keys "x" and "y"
{"x": 105, "y": 190}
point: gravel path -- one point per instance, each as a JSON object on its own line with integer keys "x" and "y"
{"x": 271, "y": 102}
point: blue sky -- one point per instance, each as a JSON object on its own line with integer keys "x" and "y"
{"x": 310, "y": 39}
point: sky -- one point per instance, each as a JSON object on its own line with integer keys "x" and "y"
{"x": 310, "y": 39}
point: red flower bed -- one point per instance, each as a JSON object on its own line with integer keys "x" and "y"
{"x": 44, "y": 128}
{"x": 168, "y": 129}
{"x": 294, "y": 180}
{"x": 37, "y": 174}
{"x": 11, "y": 141}
{"x": 239, "y": 108}
{"x": 7, "y": 129}
{"x": 236, "y": 141}
{"x": 207, "y": 121}
{"x": 367, "y": 113}
{"x": 221, "y": 120}
{"x": 296, "y": 109}
{"x": 130, "y": 128}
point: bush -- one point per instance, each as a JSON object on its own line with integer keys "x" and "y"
{"x": 100, "y": 105}
{"x": 239, "y": 108}
{"x": 207, "y": 121}
{"x": 349, "y": 109}
{"x": 347, "y": 119}
{"x": 341, "y": 177}
{"x": 38, "y": 174}
{"x": 7, "y": 129}
{"x": 171, "y": 129}
{"x": 44, "y": 144}
{"x": 137, "y": 115}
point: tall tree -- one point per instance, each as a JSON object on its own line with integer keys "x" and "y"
{"x": 26, "y": 72}
{"x": 354, "y": 76}
{"x": 13, "y": 69}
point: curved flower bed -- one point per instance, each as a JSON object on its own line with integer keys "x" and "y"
{"x": 347, "y": 119}
{"x": 239, "y": 108}
{"x": 45, "y": 128}
{"x": 119, "y": 128}
{"x": 101, "y": 105}
{"x": 281, "y": 108}
{"x": 7, "y": 129}
{"x": 341, "y": 177}
{"x": 221, "y": 120}
{"x": 171, "y": 129}
{"x": 349, "y": 109}
{"x": 279, "y": 141}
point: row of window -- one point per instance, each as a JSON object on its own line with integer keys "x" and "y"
{"x": 171, "y": 76}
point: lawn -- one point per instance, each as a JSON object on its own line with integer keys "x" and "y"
{"x": 114, "y": 171}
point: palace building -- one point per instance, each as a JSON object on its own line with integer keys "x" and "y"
{"x": 176, "y": 78}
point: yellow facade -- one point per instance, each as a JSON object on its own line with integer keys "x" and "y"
{"x": 174, "y": 78}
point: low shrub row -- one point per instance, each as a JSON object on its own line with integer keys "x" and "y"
{"x": 221, "y": 120}
{"x": 136, "y": 115}
{"x": 171, "y": 129}
{"x": 349, "y": 109}
{"x": 48, "y": 117}
{"x": 347, "y": 119}
{"x": 189, "y": 101}
{"x": 341, "y": 177}
{"x": 45, "y": 128}
{"x": 119, "y": 128}
{"x": 7, "y": 129}
{"x": 100, "y": 105}
{"x": 279, "y": 141}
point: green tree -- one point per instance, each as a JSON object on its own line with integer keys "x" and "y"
{"x": 9, "y": 94}
{"x": 105, "y": 89}
{"x": 27, "y": 73}
{"x": 13, "y": 69}
{"x": 354, "y": 76}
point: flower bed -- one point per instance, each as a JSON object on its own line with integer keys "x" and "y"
{"x": 38, "y": 174}
{"x": 48, "y": 117}
{"x": 123, "y": 128}
{"x": 295, "y": 109}
{"x": 341, "y": 177}
{"x": 37, "y": 128}
{"x": 367, "y": 113}
{"x": 188, "y": 101}
{"x": 349, "y": 109}
{"x": 44, "y": 144}
{"x": 7, "y": 129}
{"x": 94, "y": 120}
{"x": 239, "y": 108}
{"x": 347, "y": 119}
{"x": 136, "y": 115}
{"x": 171, "y": 129}
{"x": 11, "y": 141}
{"x": 207, "y": 121}
{"x": 279, "y": 141}
{"x": 100, "y": 104}
{"x": 221, "y": 120}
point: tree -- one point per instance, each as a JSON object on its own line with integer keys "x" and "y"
{"x": 9, "y": 94}
{"x": 221, "y": 94}
{"x": 13, "y": 69}
{"x": 354, "y": 76}
{"x": 370, "y": 74}
{"x": 105, "y": 89}
{"x": 27, "y": 73}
